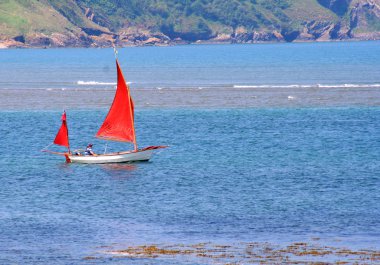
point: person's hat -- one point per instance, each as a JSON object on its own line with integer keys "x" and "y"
{"x": 90, "y": 144}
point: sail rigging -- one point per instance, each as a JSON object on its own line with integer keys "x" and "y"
{"x": 119, "y": 122}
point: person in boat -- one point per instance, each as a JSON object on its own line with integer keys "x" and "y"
{"x": 89, "y": 151}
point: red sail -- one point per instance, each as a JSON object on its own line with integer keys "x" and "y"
{"x": 62, "y": 137}
{"x": 118, "y": 125}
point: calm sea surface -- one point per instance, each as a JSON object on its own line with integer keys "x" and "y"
{"x": 267, "y": 174}
{"x": 302, "y": 64}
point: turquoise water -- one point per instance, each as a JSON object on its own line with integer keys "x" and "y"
{"x": 230, "y": 175}
{"x": 265, "y": 174}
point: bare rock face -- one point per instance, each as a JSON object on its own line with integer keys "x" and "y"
{"x": 11, "y": 43}
{"x": 340, "y": 31}
{"x": 222, "y": 37}
{"x": 246, "y": 37}
{"x": 241, "y": 35}
{"x": 102, "y": 40}
{"x": 319, "y": 29}
{"x": 39, "y": 40}
{"x": 140, "y": 36}
{"x": 57, "y": 40}
{"x": 323, "y": 31}
{"x": 272, "y": 36}
{"x": 364, "y": 18}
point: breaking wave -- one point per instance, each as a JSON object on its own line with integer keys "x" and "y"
{"x": 91, "y": 83}
{"x": 95, "y": 83}
{"x": 309, "y": 86}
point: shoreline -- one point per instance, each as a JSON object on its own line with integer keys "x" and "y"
{"x": 5, "y": 45}
{"x": 243, "y": 97}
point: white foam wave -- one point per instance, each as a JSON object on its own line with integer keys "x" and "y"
{"x": 350, "y": 85}
{"x": 95, "y": 83}
{"x": 91, "y": 83}
{"x": 309, "y": 86}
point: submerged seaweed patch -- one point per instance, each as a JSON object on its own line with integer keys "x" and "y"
{"x": 251, "y": 253}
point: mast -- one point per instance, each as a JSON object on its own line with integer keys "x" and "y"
{"x": 131, "y": 105}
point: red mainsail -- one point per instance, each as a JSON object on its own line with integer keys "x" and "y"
{"x": 119, "y": 123}
{"x": 62, "y": 137}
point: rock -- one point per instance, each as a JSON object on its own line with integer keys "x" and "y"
{"x": 20, "y": 38}
{"x": 58, "y": 40}
{"x": 222, "y": 37}
{"x": 152, "y": 41}
{"x": 11, "y": 43}
{"x": 139, "y": 36}
{"x": 39, "y": 40}
{"x": 340, "y": 31}
{"x": 290, "y": 34}
{"x": 261, "y": 36}
{"x": 319, "y": 28}
{"x": 103, "y": 40}
{"x": 364, "y": 16}
{"x": 244, "y": 37}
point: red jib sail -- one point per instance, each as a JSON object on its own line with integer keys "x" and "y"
{"x": 119, "y": 123}
{"x": 62, "y": 137}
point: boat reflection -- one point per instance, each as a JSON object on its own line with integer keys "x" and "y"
{"x": 119, "y": 167}
{"x": 119, "y": 171}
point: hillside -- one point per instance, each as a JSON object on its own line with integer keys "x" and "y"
{"x": 75, "y": 23}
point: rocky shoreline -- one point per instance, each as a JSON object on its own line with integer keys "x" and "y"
{"x": 312, "y": 32}
{"x": 258, "y": 38}
{"x": 360, "y": 22}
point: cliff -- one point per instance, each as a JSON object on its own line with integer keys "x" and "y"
{"x": 99, "y": 23}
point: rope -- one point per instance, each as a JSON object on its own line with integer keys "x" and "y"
{"x": 47, "y": 146}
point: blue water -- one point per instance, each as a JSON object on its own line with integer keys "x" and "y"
{"x": 330, "y": 64}
{"x": 230, "y": 175}
{"x": 268, "y": 174}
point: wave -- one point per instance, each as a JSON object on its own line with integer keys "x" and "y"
{"x": 350, "y": 85}
{"x": 95, "y": 83}
{"x": 91, "y": 83}
{"x": 309, "y": 86}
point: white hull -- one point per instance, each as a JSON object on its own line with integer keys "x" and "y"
{"x": 141, "y": 155}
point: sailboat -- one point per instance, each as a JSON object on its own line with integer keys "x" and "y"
{"x": 117, "y": 126}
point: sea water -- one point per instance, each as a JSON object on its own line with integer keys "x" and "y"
{"x": 349, "y": 64}
{"x": 257, "y": 174}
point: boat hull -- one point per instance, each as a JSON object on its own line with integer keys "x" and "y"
{"x": 141, "y": 155}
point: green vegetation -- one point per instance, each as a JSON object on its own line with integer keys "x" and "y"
{"x": 12, "y": 23}
{"x": 27, "y": 17}
{"x": 179, "y": 16}
{"x": 188, "y": 20}
{"x": 373, "y": 22}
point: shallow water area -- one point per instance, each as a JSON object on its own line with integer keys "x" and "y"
{"x": 205, "y": 97}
